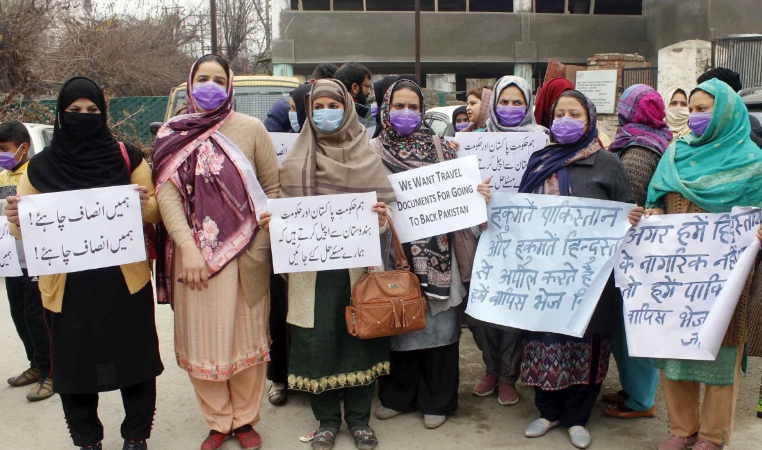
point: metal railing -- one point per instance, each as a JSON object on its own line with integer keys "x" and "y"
{"x": 640, "y": 75}
{"x": 742, "y": 54}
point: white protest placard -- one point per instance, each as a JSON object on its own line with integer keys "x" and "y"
{"x": 600, "y": 87}
{"x": 502, "y": 156}
{"x": 437, "y": 199}
{"x": 81, "y": 230}
{"x": 325, "y": 232}
{"x": 681, "y": 276}
{"x": 283, "y": 143}
{"x": 544, "y": 260}
{"x": 9, "y": 258}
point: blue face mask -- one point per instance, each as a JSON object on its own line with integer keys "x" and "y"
{"x": 294, "y": 119}
{"x": 328, "y": 120}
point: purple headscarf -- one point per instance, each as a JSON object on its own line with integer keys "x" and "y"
{"x": 641, "y": 115}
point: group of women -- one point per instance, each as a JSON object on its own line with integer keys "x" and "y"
{"x": 211, "y": 166}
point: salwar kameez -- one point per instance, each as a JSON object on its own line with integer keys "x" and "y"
{"x": 222, "y": 343}
{"x": 638, "y": 376}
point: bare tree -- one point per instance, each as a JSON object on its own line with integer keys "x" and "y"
{"x": 246, "y": 25}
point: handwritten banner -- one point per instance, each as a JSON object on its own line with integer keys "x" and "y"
{"x": 502, "y": 156}
{"x": 437, "y": 199}
{"x": 325, "y": 232}
{"x": 9, "y": 258}
{"x": 283, "y": 143}
{"x": 543, "y": 261}
{"x": 81, "y": 230}
{"x": 681, "y": 276}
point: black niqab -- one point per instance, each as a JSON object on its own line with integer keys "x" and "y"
{"x": 72, "y": 162}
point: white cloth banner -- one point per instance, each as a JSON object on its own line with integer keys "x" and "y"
{"x": 80, "y": 230}
{"x": 681, "y": 276}
{"x": 437, "y": 199}
{"x": 325, "y": 232}
{"x": 9, "y": 258}
{"x": 502, "y": 156}
{"x": 544, "y": 260}
{"x": 283, "y": 143}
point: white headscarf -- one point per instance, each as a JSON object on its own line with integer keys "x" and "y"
{"x": 526, "y": 125}
{"x": 676, "y": 118}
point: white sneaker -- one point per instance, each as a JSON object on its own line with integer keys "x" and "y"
{"x": 431, "y": 422}
{"x": 539, "y": 427}
{"x": 383, "y": 413}
{"x": 580, "y": 437}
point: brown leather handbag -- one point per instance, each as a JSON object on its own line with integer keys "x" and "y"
{"x": 387, "y": 303}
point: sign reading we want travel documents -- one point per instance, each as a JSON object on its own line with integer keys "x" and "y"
{"x": 80, "y": 230}
{"x": 681, "y": 276}
{"x": 544, "y": 260}
{"x": 437, "y": 199}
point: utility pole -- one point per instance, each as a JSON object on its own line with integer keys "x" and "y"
{"x": 418, "y": 40}
{"x": 213, "y": 22}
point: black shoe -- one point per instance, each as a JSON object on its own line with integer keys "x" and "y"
{"x": 365, "y": 437}
{"x": 97, "y": 446}
{"x": 135, "y": 445}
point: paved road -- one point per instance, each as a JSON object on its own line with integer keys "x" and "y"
{"x": 480, "y": 424}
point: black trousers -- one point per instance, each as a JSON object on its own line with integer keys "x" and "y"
{"x": 27, "y": 314}
{"x": 277, "y": 369}
{"x": 81, "y": 412}
{"x": 357, "y": 403}
{"x": 572, "y": 406}
{"x": 422, "y": 379}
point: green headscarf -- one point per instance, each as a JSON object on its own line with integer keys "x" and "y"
{"x": 719, "y": 170}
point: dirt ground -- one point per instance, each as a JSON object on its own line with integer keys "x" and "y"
{"x": 480, "y": 423}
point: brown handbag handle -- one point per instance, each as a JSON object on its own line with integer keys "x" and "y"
{"x": 438, "y": 145}
{"x": 400, "y": 260}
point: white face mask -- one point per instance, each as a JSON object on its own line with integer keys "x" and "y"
{"x": 677, "y": 117}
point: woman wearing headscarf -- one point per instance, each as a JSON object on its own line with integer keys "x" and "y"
{"x": 676, "y": 101}
{"x": 477, "y": 106}
{"x": 424, "y": 364}
{"x": 546, "y": 96}
{"x": 510, "y": 110}
{"x": 332, "y": 156}
{"x": 214, "y": 168}
{"x": 567, "y": 372}
{"x": 460, "y": 118}
{"x": 640, "y": 143}
{"x": 711, "y": 170}
{"x": 379, "y": 89}
{"x": 102, "y": 326}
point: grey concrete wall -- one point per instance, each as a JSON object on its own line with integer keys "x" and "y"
{"x": 460, "y": 38}
{"x": 735, "y": 17}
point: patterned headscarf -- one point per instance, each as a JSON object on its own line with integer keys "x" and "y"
{"x": 526, "y": 125}
{"x": 547, "y": 169}
{"x": 718, "y": 170}
{"x": 431, "y": 257}
{"x": 641, "y": 116}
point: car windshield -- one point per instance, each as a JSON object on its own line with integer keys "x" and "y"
{"x": 255, "y": 101}
{"x": 438, "y": 123}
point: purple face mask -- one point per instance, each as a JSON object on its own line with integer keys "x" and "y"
{"x": 373, "y": 109}
{"x": 8, "y": 161}
{"x": 209, "y": 96}
{"x": 511, "y": 116}
{"x": 405, "y": 121}
{"x": 568, "y": 130}
{"x": 461, "y": 126}
{"x": 698, "y": 122}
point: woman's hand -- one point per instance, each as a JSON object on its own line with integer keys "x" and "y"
{"x": 380, "y": 208}
{"x": 653, "y": 212}
{"x": 759, "y": 234}
{"x": 455, "y": 144}
{"x": 264, "y": 221}
{"x": 635, "y": 215}
{"x": 482, "y": 226}
{"x": 144, "y": 196}
{"x": 12, "y": 209}
{"x": 194, "y": 272}
{"x": 484, "y": 189}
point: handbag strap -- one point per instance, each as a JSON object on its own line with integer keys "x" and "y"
{"x": 400, "y": 260}
{"x": 438, "y": 145}
{"x": 126, "y": 156}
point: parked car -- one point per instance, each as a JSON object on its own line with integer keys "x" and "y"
{"x": 753, "y": 99}
{"x": 440, "y": 120}
{"x": 254, "y": 95}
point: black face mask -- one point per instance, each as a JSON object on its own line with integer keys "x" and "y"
{"x": 82, "y": 125}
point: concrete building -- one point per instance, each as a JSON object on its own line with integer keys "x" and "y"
{"x": 490, "y": 38}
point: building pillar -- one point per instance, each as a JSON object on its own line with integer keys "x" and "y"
{"x": 283, "y": 70}
{"x": 522, "y": 6}
{"x": 461, "y": 82}
{"x": 523, "y": 70}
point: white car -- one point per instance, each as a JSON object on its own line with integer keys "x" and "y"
{"x": 41, "y": 136}
{"x": 440, "y": 120}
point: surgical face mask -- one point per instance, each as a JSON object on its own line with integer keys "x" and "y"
{"x": 511, "y": 116}
{"x": 82, "y": 125}
{"x": 328, "y": 120}
{"x": 405, "y": 121}
{"x": 677, "y": 117}
{"x": 461, "y": 126}
{"x": 568, "y": 130}
{"x": 294, "y": 119}
{"x": 698, "y": 122}
{"x": 374, "y": 109}
{"x": 210, "y": 95}
{"x": 8, "y": 161}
